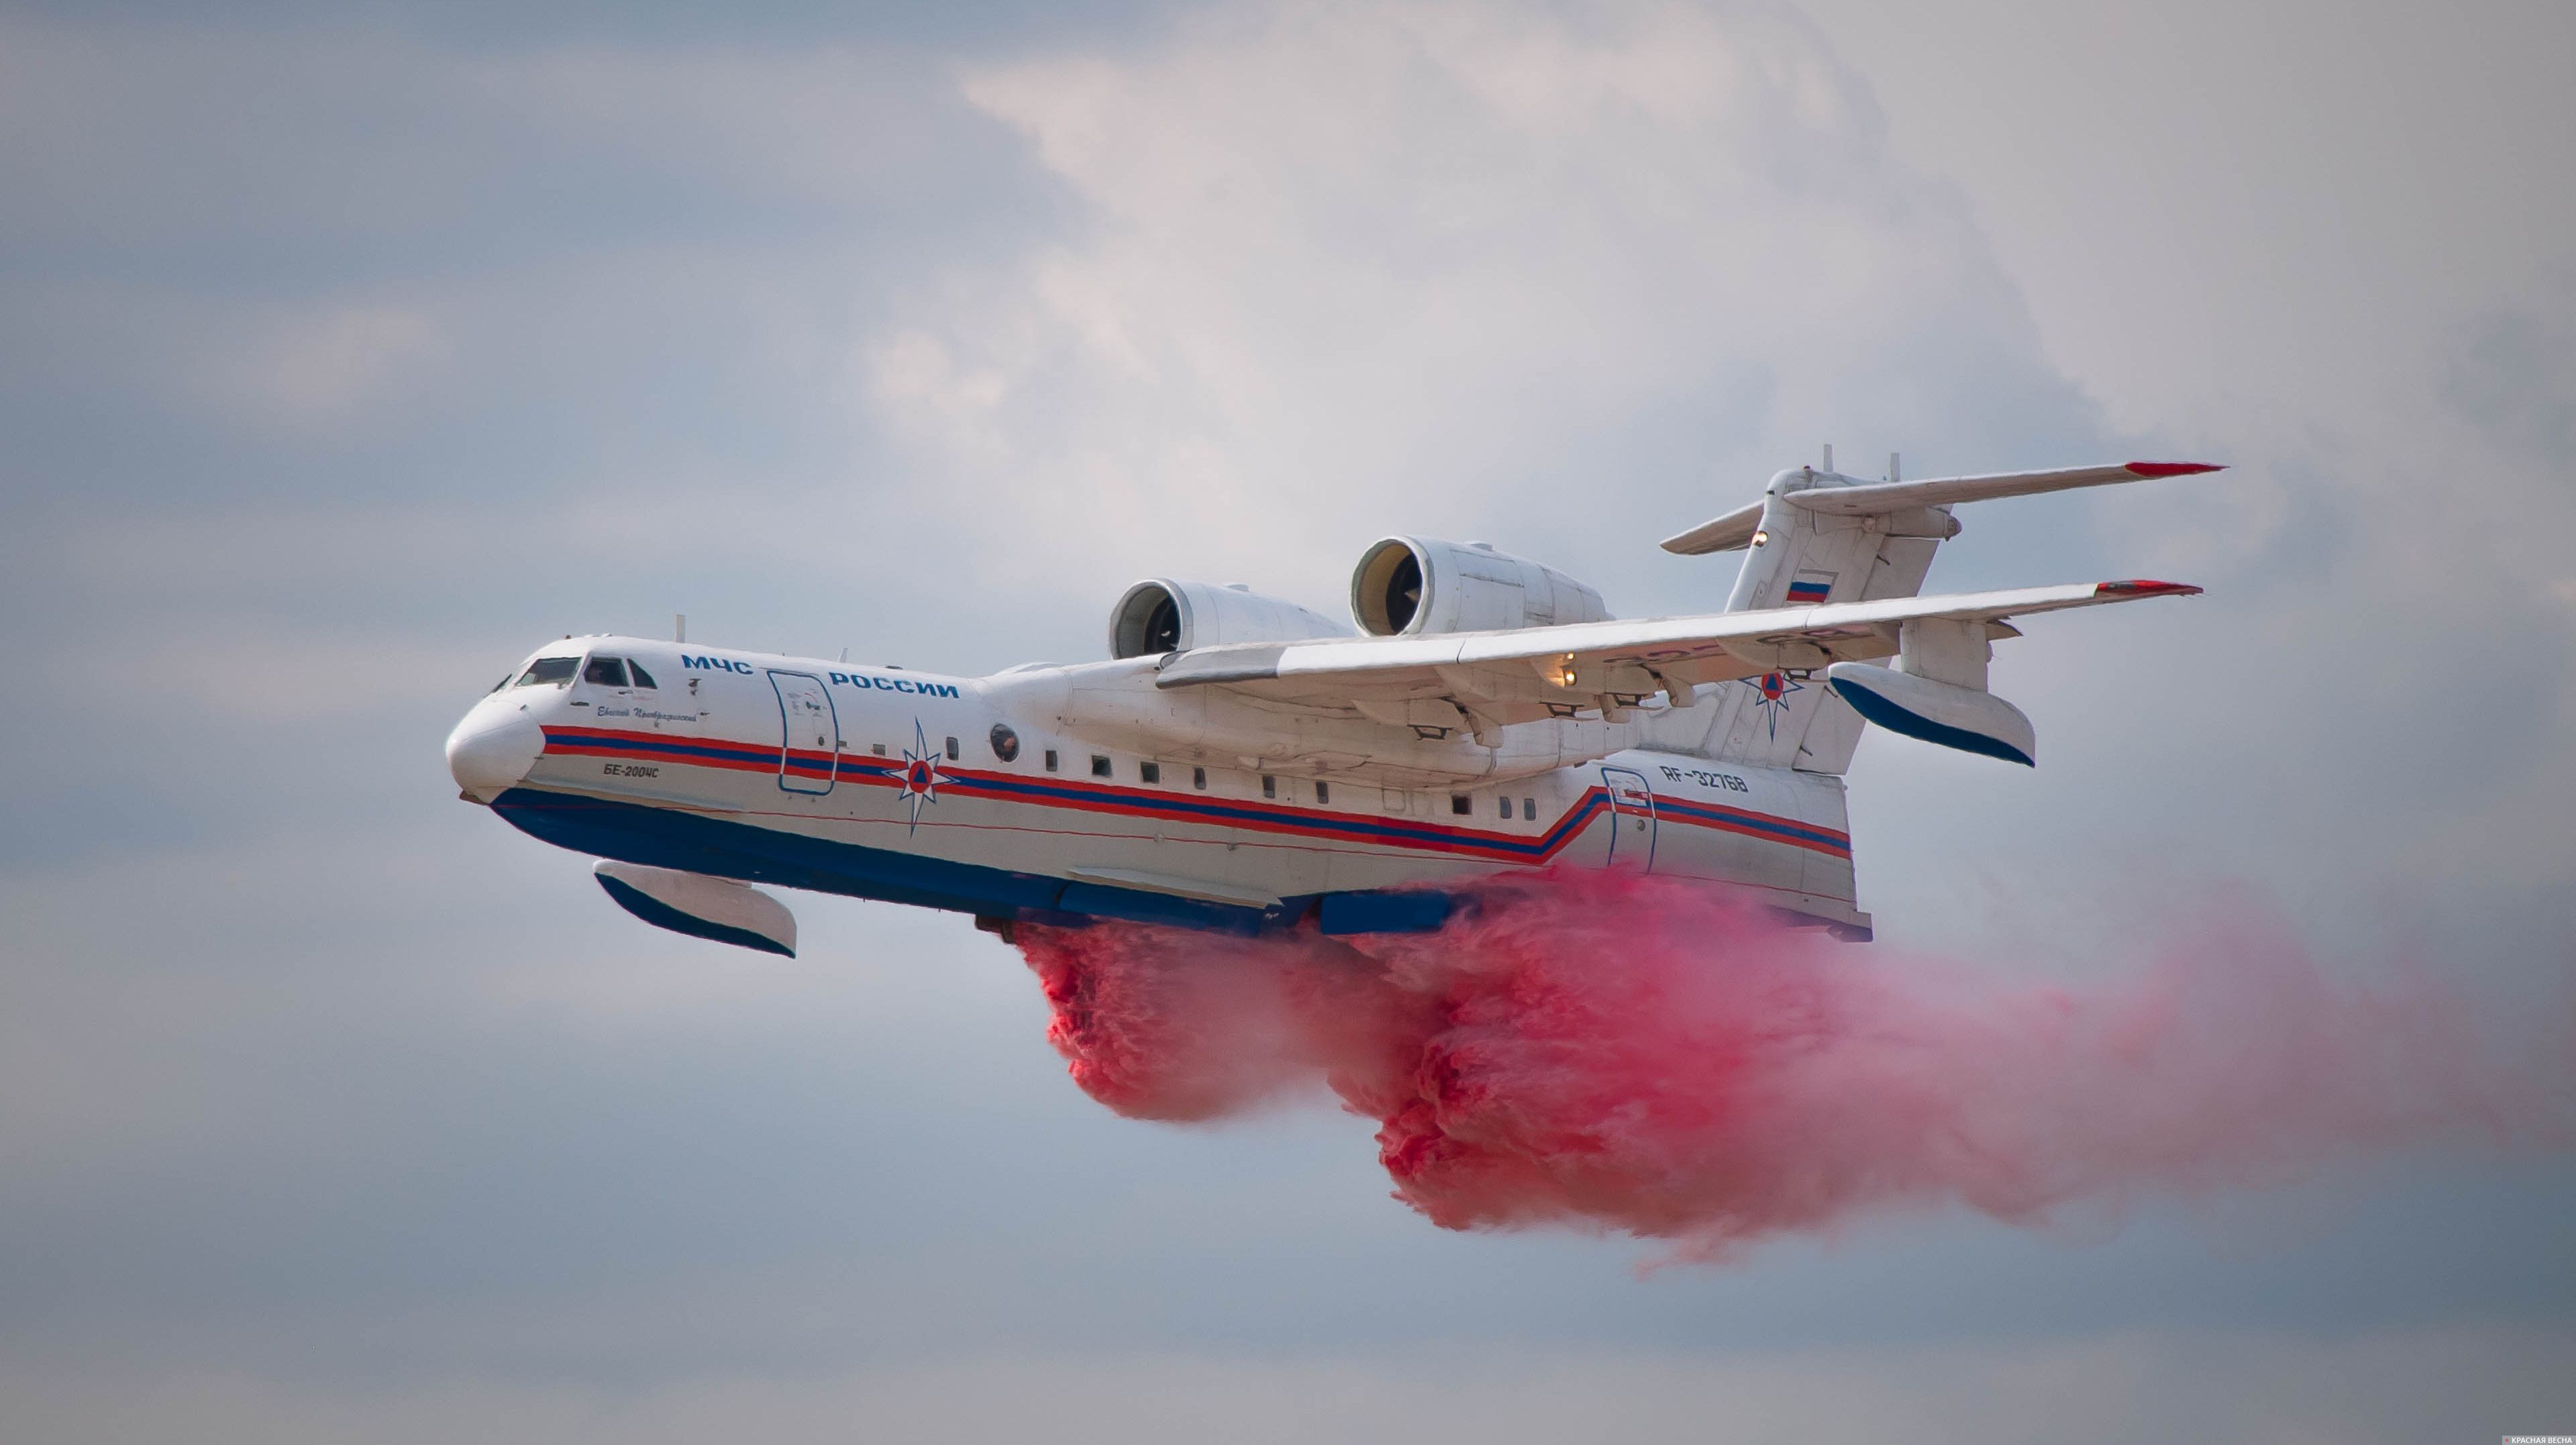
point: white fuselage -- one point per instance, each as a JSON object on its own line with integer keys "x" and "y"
{"x": 1058, "y": 793}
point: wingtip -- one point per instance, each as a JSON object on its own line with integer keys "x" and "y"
{"x": 2144, "y": 587}
{"x": 2173, "y": 469}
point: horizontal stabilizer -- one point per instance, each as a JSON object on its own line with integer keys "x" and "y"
{"x": 1875, "y": 497}
{"x": 1730, "y": 533}
{"x": 701, "y": 906}
{"x": 1825, "y": 494}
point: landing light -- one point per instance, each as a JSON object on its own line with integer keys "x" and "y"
{"x": 1565, "y": 671}
{"x": 1760, "y": 536}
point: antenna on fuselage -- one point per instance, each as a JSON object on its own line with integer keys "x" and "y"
{"x": 679, "y": 627}
{"x": 1829, "y": 456}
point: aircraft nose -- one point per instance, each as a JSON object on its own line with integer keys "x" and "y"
{"x": 489, "y": 752}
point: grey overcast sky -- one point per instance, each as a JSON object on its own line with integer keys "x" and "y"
{"x": 348, "y": 351}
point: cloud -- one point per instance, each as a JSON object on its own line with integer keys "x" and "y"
{"x": 1339, "y": 268}
{"x": 2515, "y": 377}
{"x": 314, "y": 368}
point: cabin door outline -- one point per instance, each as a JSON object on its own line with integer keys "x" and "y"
{"x": 1632, "y": 819}
{"x": 807, "y": 724}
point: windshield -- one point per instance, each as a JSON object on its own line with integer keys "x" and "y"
{"x": 557, "y": 670}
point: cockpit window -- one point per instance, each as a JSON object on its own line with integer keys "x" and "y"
{"x": 605, "y": 672}
{"x": 642, "y": 678}
{"x": 557, "y": 670}
{"x": 504, "y": 682}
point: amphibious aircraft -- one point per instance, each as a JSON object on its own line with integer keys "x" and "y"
{"x": 1243, "y": 763}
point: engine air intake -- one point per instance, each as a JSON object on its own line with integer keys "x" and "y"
{"x": 1159, "y": 615}
{"x": 1413, "y": 585}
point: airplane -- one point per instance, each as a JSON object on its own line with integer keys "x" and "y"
{"x": 1241, "y": 763}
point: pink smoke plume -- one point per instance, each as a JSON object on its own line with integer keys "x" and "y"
{"x": 1642, "y": 1054}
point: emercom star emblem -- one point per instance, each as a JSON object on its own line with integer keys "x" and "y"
{"x": 921, "y": 777}
{"x": 1772, "y": 691}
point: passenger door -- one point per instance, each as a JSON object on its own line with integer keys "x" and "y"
{"x": 1632, "y": 819}
{"x": 809, "y": 739}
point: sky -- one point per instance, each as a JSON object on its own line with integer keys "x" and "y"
{"x": 348, "y": 352}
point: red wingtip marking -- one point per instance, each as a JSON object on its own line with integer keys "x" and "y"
{"x": 2143, "y": 587}
{"x": 2173, "y": 469}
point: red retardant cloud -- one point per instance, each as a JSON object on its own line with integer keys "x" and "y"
{"x": 1643, "y": 1054}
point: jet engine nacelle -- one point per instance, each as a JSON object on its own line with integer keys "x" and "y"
{"x": 1407, "y": 585}
{"x": 1159, "y": 615}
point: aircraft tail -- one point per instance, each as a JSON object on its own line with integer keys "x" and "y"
{"x": 1819, "y": 536}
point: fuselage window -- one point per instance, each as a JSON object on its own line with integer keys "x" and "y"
{"x": 952, "y": 750}
{"x": 1269, "y": 786}
{"x": 1461, "y": 804}
{"x": 1006, "y": 743}
{"x": 605, "y": 672}
{"x": 1099, "y": 766}
{"x": 1507, "y": 806}
{"x": 1198, "y": 778}
{"x": 642, "y": 678}
{"x": 1050, "y": 760}
{"x": 1323, "y": 792}
{"x": 1529, "y": 809}
{"x": 556, "y": 670}
{"x": 1149, "y": 772}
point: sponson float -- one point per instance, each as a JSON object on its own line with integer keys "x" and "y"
{"x": 1243, "y": 763}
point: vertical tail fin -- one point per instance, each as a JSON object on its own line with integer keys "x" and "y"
{"x": 1796, "y": 556}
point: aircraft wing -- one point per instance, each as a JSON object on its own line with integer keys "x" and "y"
{"x": 1535, "y": 672}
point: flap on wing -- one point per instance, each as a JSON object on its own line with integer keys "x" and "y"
{"x": 1536, "y": 671}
